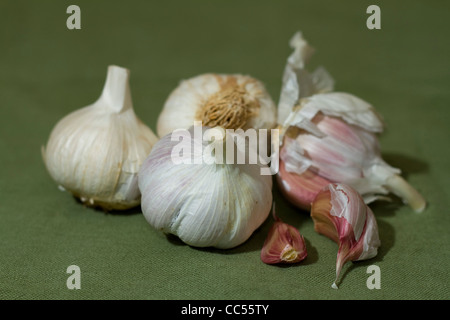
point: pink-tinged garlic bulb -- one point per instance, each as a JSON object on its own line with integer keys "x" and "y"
{"x": 339, "y": 213}
{"x": 331, "y": 137}
{"x": 284, "y": 244}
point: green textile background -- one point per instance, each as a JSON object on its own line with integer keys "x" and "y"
{"x": 47, "y": 71}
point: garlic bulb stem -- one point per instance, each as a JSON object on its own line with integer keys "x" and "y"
{"x": 116, "y": 92}
{"x": 404, "y": 190}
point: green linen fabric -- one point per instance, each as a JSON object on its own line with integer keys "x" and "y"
{"x": 47, "y": 71}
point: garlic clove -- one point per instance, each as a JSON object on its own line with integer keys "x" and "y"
{"x": 339, "y": 213}
{"x": 284, "y": 244}
{"x": 232, "y": 101}
{"x": 299, "y": 189}
{"x": 96, "y": 152}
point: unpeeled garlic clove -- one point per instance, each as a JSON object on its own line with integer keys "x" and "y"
{"x": 284, "y": 244}
{"x": 231, "y": 101}
{"x": 299, "y": 189}
{"x": 96, "y": 152}
{"x": 339, "y": 213}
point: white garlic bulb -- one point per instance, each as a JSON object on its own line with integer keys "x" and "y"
{"x": 96, "y": 152}
{"x": 203, "y": 202}
{"x": 230, "y": 101}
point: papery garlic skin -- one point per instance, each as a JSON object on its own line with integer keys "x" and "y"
{"x": 232, "y": 101}
{"x": 205, "y": 205}
{"x": 298, "y": 83}
{"x": 96, "y": 152}
{"x": 340, "y": 214}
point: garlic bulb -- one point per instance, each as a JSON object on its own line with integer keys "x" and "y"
{"x": 340, "y": 214}
{"x": 230, "y": 101}
{"x": 332, "y": 137}
{"x": 204, "y": 202}
{"x": 96, "y": 152}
